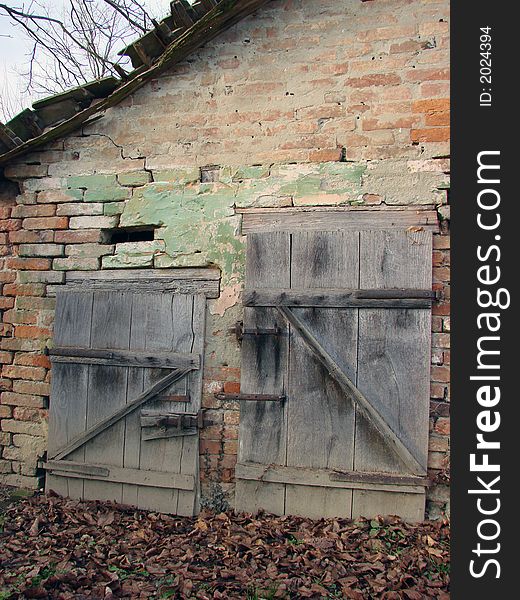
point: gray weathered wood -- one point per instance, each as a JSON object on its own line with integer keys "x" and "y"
{"x": 121, "y": 358}
{"x": 394, "y": 355}
{"x": 334, "y": 298}
{"x": 117, "y": 475}
{"x": 263, "y": 425}
{"x": 295, "y": 220}
{"x": 363, "y": 405}
{"x": 103, "y": 424}
{"x": 164, "y": 281}
{"x": 325, "y": 478}
{"x": 320, "y": 422}
{"x": 69, "y": 385}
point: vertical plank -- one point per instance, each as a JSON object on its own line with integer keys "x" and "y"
{"x": 164, "y": 323}
{"x": 108, "y": 389}
{"x": 263, "y": 425}
{"x": 189, "y": 502}
{"x": 69, "y": 385}
{"x": 320, "y": 418}
{"x": 393, "y": 364}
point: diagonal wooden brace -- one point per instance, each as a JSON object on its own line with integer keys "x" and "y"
{"x": 362, "y": 403}
{"x": 148, "y": 394}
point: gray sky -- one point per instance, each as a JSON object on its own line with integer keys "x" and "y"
{"x": 14, "y": 46}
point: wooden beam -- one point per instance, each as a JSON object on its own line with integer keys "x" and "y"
{"x": 181, "y": 281}
{"x": 386, "y": 482}
{"x": 362, "y": 403}
{"x": 108, "y": 473}
{"x": 340, "y": 298}
{"x": 124, "y": 358}
{"x": 86, "y": 436}
{"x": 336, "y": 219}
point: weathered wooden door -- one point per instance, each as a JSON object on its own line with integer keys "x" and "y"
{"x": 126, "y": 396}
{"x": 337, "y": 344}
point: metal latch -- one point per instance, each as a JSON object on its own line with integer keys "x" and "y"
{"x": 165, "y": 425}
{"x": 240, "y": 331}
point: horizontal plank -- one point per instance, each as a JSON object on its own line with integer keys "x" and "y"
{"x": 287, "y": 219}
{"x": 339, "y": 298}
{"x": 249, "y": 397}
{"x": 178, "y": 281}
{"x": 124, "y": 358}
{"x": 108, "y": 473}
{"x": 135, "y": 275}
{"x": 385, "y": 482}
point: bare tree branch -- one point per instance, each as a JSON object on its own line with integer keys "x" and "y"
{"x": 80, "y": 43}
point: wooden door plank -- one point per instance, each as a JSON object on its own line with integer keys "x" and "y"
{"x": 190, "y": 450}
{"x": 363, "y": 404}
{"x": 394, "y": 360}
{"x": 109, "y": 474}
{"x": 325, "y": 478}
{"x": 340, "y": 298}
{"x": 335, "y": 219}
{"x": 108, "y": 389}
{"x": 409, "y": 507}
{"x": 115, "y": 417}
{"x": 263, "y": 426}
{"x": 69, "y": 385}
{"x": 121, "y": 358}
{"x": 320, "y": 422}
{"x": 164, "y": 324}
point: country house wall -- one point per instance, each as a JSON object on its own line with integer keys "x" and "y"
{"x": 304, "y": 104}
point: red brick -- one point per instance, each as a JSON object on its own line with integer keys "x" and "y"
{"x": 441, "y": 242}
{"x": 21, "y": 317}
{"x": 232, "y": 387}
{"x": 440, "y": 374}
{"x": 46, "y": 223}
{"x": 437, "y": 391}
{"x": 431, "y": 105}
{"x": 28, "y": 264}
{"x": 374, "y": 79}
{"x": 26, "y": 413}
{"x": 24, "y": 289}
{"x": 22, "y": 372}
{"x": 10, "y": 224}
{"x": 325, "y": 155}
{"x": 32, "y": 360}
{"x": 6, "y": 358}
{"x": 7, "y": 277}
{"x": 6, "y": 303}
{"x": 5, "y": 412}
{"x": 36, "y": 388}
{"x": 31, "y": 237}
{"x": 30, "y": 332}
{"x": 428, "y": 75}
{"x": 442, "y": 425}
{"x": 16, "y": 399}
{"x": 83, "y": 236}
{"x": 437, "y": 134}
{"x": 41, "y": 210}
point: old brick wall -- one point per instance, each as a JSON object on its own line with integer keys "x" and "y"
{"x": 337, "y": 102}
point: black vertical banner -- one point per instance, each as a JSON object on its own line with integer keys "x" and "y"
{"x": 485, "y": 362}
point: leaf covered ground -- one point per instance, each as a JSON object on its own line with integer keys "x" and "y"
{"x": 66, "y": 549}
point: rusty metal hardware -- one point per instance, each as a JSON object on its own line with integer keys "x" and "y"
{"x": 249, "y": 397}
{"x": 240, "y": 331}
